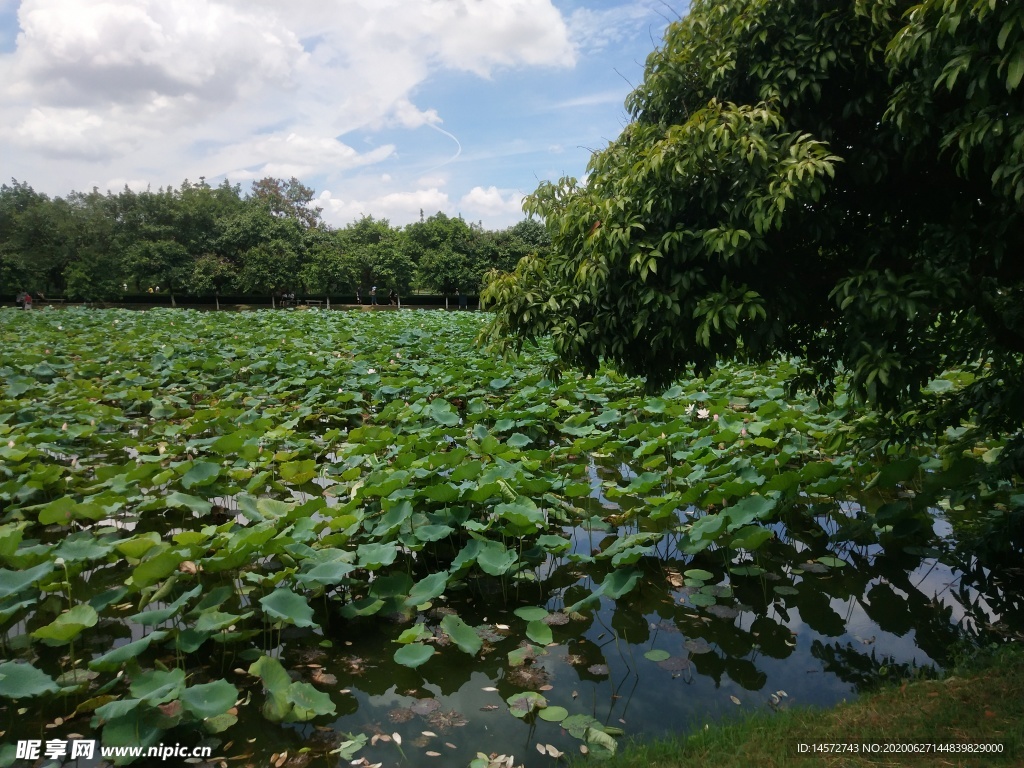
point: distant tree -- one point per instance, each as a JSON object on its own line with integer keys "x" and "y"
{"x": 97, "y": 272}
{"x": 449, "y": 254}
{"x": 211, "y": 274}
{"x": 287, "y": 199}
{"x": 34, "y": 246}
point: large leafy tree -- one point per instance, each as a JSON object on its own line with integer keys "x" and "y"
{"x": 838, "y": 180}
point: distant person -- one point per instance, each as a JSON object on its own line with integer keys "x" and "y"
{"x": 27, "y": 302}
{"x": 393, "y": 297}
{"x": 19, "y": 300}
{"x": 463, "y": 300}
{"x": 373, "y": 296}
{"x": 359, "y": 299}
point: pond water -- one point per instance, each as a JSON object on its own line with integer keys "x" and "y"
{"x": 364, "y": 524}
{"x": 699, "y": 639}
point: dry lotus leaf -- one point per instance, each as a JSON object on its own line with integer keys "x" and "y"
{"x": 425, "y": 706}
{"x": 723, "y": 611}
{"x": 401, "y": 715}
{"x": 556, "y": 619}
{"x": 598, "y": 669}
{"x": 323, "y": 678}
{"x": 675, "y": 664}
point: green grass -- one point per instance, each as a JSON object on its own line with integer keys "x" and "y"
{"x": 980, "y": 702}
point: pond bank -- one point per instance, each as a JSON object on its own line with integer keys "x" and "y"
{"x": 980, "y": 702}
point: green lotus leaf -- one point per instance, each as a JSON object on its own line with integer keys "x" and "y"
{"x": 577, "y": 725}
{"x": 522, "y": 704}
{"x": 600, "y": 743}
{"x": 284, "y": 605}
{"x": 462, "y": 634}
{"x": 413, "y": 654}
{"x": 138, "y": 545}
{"x": 199, "y": 474}
{"x": 428, "y": 588}
{"x": 65, "y": 509}
{"x": 414, "y": 634}
{"x": 751, "y": 538}
{"x": 156, "y": 567}
{"x": 374, "y": 556}
{"x": 657, "y": 654}
{"x": 112, "y": 660}
{"x": 82, "y": 549}
{"x": 441, "y": 411}
{"x": 518, "y": 440}
{"x": 427, "y": 533}
{"x": 13, "y": 582}
{"x": 308, "y": 702}
{"x": 158, "y": 686}
{"x": 23, "y": 681}
{"x": 365, "y": 606}
{"x": 539, "y": 632}
{"x": 495, "y": 559}
{"x": 208, "y": 700}
{"x": 178, "y": 500}
{"x": 531, "y": 613}
{"x": 298, "y": 472}
{"x": 160, "y": 615}
{"x": 68, "y": 625}
{"x": 326, "y": 574}
{"x": 553, "y": 714}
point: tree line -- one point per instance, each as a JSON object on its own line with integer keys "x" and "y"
{"x": 213, "y": 241}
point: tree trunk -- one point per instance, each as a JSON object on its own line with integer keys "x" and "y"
{"x": 328, "y": 301}
{"x": 216, "y": 301}
{"x": 273, "y": 304}
{"x": 446, "y": 302}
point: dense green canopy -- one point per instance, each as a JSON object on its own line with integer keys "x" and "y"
{"x": 838, "y": 181}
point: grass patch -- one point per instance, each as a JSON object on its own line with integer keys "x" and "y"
{"x": 981, "y": 701}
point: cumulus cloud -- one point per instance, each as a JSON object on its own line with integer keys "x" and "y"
{"x": 397, "y": 207}
{"x": 492, "y": 202}
{"x": 249, "y": 86}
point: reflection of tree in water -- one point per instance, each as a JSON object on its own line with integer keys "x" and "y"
{"x": 864, "y": 671}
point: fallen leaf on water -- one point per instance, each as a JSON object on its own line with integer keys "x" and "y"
{"x": 433, "y": 754}
{"x": 397, "y": 738}
{"x": 541, "y": 749}
{"x": 553, "y": 751}
{"x": 429, "y": 733}
{"x": 489, "y": 688}
{"x": 734, "y": 700}
{"x": 450, "y": 745}
{"x": 545, "y": 688}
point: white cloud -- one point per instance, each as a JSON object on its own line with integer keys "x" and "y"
{"x": 212, "y": 86}
{"x": 397, "y": 207}
{"x": 492, "y": 203}
{"x": 595, "y": 30}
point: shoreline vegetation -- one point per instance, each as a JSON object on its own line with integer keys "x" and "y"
{"x": 978, "y": 702}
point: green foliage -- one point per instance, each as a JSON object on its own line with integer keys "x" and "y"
{"x": 841, "y": 184}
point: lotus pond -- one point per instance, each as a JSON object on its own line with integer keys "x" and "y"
{"x": 308, "y": 538}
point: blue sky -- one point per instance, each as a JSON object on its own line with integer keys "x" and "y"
{"x": 384, "y": 107}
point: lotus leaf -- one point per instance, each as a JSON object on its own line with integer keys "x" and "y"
{"x": 68, "y": 625}
{"x": 462, "y": 634}
{"x": 413, "y": 654}
{"x": 21, "y": 681}
{"x": 286, "y": 606}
